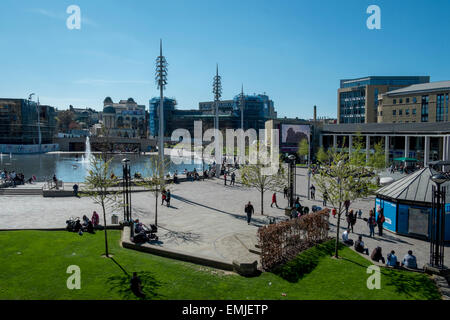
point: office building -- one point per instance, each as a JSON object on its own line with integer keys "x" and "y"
{"x": 427, "y": 102}
{"x": 357, "y": 100}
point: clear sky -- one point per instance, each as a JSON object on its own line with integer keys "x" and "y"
{"x": 295, "y": 51}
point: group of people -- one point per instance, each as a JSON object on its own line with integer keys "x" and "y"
{"x": 232, "y": 178}
{"x": 85, "y": 225}
{"x": 142, "y": 233}
{"x": 165, "y": 197}
{"x": 12, "y": 179}
{"x": 409, "y": 261}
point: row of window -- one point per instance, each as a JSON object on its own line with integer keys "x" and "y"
{"x": 400, "y": 112}
{"x": 400, "y": 101}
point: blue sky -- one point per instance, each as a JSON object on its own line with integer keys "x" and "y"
{"x": 295, "y": 51}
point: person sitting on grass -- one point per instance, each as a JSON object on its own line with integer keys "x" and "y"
{"x": 345, "y": 238}
{"x": 95, "y": 219}
{"x": 359, "y": 246}
{"x": 410, "y": 261}
{"x": 377, "y": 255}
{"x": 392, "y": 259}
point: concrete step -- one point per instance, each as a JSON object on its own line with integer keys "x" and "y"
{"x": 20, "y": 192}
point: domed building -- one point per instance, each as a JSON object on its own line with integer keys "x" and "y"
{"x": 124, "y": 119}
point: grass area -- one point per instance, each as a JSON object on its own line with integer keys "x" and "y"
{"x": 34, "y": 264}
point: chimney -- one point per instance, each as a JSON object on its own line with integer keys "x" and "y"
{"x": 315, "y": 113}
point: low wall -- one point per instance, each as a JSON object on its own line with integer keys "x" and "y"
{"x": 173, "y": 254}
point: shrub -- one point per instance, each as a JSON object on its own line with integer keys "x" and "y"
{"x": 283, "y": 241}
{"x": 305, "y": 262}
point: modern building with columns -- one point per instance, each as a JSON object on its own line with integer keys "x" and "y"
{"x": 423, "y": 141}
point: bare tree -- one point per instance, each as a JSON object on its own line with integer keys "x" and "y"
{"x": 98, "y": 185}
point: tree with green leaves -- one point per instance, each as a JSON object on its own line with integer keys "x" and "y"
{"x": 99, "y": 186}
{"x": 303, "y": 148}
{"x": 321, "y": 155}
{"x": 345, "y": 179}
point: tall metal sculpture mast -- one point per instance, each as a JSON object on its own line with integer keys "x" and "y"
{"x": 217, "y": 90}
{"x": 242, "y": 107}
{"x": 161, "y": 80}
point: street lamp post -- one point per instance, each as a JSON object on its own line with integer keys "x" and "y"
{"x": 126, "y": 187}
{"x": 292, "y": 180}
{"x": 437, "y": 236}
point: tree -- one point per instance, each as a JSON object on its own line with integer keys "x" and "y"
{"x": 321, "y": 155}
{"x": 345, "y": 179}
{"x": 303, "y": 148}
{"x": 65, "y": 118}
{"x": 154, "y": 179}
{"x": 98, "y": 185}
{"x": 253, "y": 176}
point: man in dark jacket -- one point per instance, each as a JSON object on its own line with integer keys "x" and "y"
{"x": 249, "y": 210}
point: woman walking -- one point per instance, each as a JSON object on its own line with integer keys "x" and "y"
{"x": 372, "y": 223}
{"x": 380, "y": 221}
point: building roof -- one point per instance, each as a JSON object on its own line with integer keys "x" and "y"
{"x": 414, "y": 187}
{"x": 109, "y": 109}
{"x": 388, "y": 128}
{"x": 421, "y": 88}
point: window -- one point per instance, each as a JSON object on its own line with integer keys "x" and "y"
{"x": 424, "y": 108}
{"x": 407, "y": 100}
{"x": 413, "y": 111}
{"x": 407, "y": 112}
{"x": 414, "y": 100}
{"x": 401, "y": 101}
{"x": 446, "y": 107}
{"x": 394, "y": 101}
{"x": 394, "y": 112}
{"x": 439, "y": 107}
{"x": 400, "y": 112}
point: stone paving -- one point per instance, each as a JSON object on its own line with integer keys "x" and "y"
{"x": 205, "y": 217}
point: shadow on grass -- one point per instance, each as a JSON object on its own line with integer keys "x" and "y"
{"x": 408, "y": 283}
{"x": 121, "y": 285}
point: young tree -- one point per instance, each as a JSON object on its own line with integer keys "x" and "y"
{"x": 98, "y": 185}
{"x": 154, "y": 179}
{"x": 303, "y": 148}
{"x": 345, "y": 179}
{"x": 252, "y": 175}
{"x": 321, "y": 155}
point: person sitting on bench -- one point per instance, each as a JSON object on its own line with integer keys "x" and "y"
{"x": 345, "y": 238}
{"x": 377, "y": 255}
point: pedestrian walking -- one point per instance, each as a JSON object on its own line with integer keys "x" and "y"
{"x": 359, "y": 213}
{"x": 325, "y": 198}
{"x": 313, "y": 192}
{"x": 274, "y": 200}
{"x": 163, "y": 197}
{"x": 168, "y": 197}
{"x": 249, "y": 210}
{"x": 285, "y": 192}
{"x": 380, "y": 221}
{"x": 350, "y": 221}
{"x": 371, "y": 222}
{"x": 225, "y": 177}
{"x": 346, "y": 205}
{"x": 333, "y": 212}
{"x": 233, "y": 178}
{"x": 75, "y": 190}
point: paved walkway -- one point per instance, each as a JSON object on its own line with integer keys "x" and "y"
{"x": 205, "y": 217}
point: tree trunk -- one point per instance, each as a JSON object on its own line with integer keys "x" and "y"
{"x": 262, "y": 202}
{"x": 106, "y": 236}
{"x": 156, "y": 209}
{"x": 336, "y": 248}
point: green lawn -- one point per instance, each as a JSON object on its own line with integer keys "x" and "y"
{"x": 33, "y": 266}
